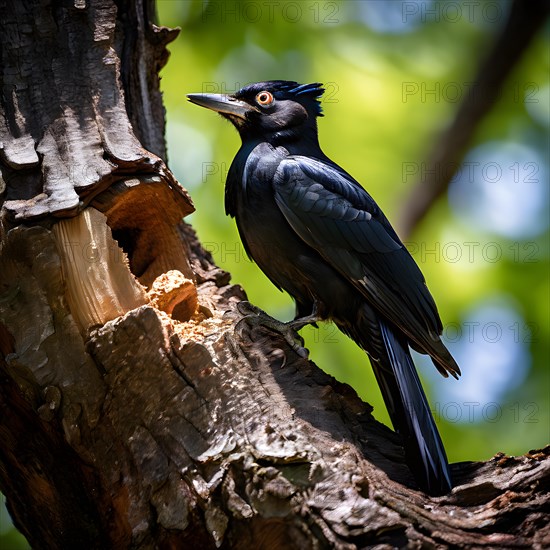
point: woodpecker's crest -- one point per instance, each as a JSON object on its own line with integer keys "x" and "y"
{"x": 286, "y": 89}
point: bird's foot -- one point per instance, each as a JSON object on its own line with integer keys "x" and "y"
{"x": 254, "y": 316}
{"x": 310, "y": 319}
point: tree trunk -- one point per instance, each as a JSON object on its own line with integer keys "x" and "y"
{"x": 134, "y": 412}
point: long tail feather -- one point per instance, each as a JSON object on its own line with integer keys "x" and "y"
{"x": 411, "y": 416}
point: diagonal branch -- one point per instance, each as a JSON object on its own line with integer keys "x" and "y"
{"x": 524, "y": 21}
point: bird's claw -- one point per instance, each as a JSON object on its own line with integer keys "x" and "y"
{"x": 253, "y": 316}
{"x": 246, "y": 308}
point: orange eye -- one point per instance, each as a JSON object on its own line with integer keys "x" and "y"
{"x": 264, "y": 98}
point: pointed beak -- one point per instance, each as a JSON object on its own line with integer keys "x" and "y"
{"x": 222, "y": 103}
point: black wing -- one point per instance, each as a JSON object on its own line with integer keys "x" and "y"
{"x": 334, "y": 215}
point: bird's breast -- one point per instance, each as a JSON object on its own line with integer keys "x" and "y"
{"x": 271, "y": 242}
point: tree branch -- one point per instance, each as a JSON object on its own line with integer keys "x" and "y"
{"x": 524, "y": 21}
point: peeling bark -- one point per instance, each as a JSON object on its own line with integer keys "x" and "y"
{"x": 136, "y": 412}
{"x": 66, "y": 134}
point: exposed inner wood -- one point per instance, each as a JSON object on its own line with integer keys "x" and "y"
{"x": 143, "y": 215}
{"x": 174, "y": 294}
{"x": 100, "y": 286}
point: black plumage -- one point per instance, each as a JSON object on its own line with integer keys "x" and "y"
{"x": 317, "y": 234}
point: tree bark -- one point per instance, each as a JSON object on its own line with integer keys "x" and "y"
{"x": 136, "y": 412}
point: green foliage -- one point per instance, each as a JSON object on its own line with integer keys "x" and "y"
{"x": 395, "y": 75}
{"x": 10, "y": 539}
